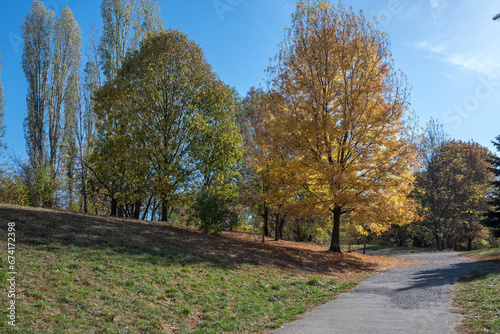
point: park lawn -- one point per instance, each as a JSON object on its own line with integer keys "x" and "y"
{"x": 90, "y": 274}
{"x": 477, "y": 296}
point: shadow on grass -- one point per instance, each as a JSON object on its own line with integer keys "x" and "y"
{"x": 176, "y": 243}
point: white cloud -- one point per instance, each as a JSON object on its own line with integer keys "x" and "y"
{"x": 463, "y": 35}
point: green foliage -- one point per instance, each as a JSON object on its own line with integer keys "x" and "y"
{"x": 117, "y": 19}
{"x": 51, "y": 57}
{"x": 491, "y": 218}
{"x": 451, "y": 190}
{"x": 37, "y": 33}
{"x": 12, "y": 189}
{"x": 166, "y": 125}
{"x": 39, "y": 187}
{"x": 125, "y": 24}
{"x": 214, "y": 213}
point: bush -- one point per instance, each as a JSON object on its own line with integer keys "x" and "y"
{"x": 213, "y": 212}
{"x": 12, "y": 190}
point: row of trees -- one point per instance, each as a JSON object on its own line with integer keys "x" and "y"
{"x": 148, "y": 130}
{"x": 60, "y": 123}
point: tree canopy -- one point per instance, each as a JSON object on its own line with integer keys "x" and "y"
{"x": 167, "y": 123}
{"x": 338, "y": 111}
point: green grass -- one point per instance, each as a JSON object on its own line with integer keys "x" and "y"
{"x": 478, "y": 298}
{"x": 99, "y": 290}
{"x": 486, "y": 251}
{"x": 80, "y": 275}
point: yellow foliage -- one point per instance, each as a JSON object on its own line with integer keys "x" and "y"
{"x": 335, "y": 123}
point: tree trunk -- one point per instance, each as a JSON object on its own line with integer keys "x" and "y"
{"x": 280, "y": 229}
{"x": 155, "y": 208}
{"x": 121, "y": 210}
{"x": 164, "y": 211}
{"x": 444, "y": 242}
{"x": 84, "y": 192}
{"x": 137, "y": 210}
{"x": 264, "y": 232}
{"x": 266, "y": 220}
{"x": 276, "y": 228}
{"x": 469, "y": 243}
{"x": 438, "y": 241}
{"x": 335, "y": 243}
{"x": 114, "y": 205}
{"x": 144, "y": 215}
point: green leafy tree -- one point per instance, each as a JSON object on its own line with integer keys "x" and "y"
{"x": 148, "y": 21}
{"x": 451, "y": 189}
{"x": 166, "y": 123}
{"x": 491, "y": 218}
{"x": 66, "y": 62}
{"x": 214, "y": 213}
{"x": 117, "y": 18}
{"x": 70, "y": 142}
{"x": 37, "y": 33}
{"x": 51, "y": 54}
{"x": 125, "y": 24}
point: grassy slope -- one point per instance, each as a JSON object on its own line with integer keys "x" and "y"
{"x": 89, "y": 274}
{"x": 477, "y": 296}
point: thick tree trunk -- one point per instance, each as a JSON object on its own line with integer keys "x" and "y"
{"x": 335, "y": 243}
{"x": 438, "y": 241}
{"x": 469, "y": 243}
{"x": 121, "y": 210}
{"x": 266, "y": 220}
{"x": 114, "y": 206}
{"x": 280, "y": 228}
{"x": 164, "y": 211}
{"x": 137, "y": 210}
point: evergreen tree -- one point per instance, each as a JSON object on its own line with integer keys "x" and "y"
{"x": 492, "y": 217}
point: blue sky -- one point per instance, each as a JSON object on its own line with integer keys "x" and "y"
{"x": 449, "y": 50}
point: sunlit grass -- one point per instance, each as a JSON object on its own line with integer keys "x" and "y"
{"x": 478, "y": 299}
{"x": 67, "y": 288}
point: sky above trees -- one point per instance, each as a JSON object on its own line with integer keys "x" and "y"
{"x": 448, "y": 49}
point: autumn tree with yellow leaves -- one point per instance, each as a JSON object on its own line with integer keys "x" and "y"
{"x": 339, "y": 116}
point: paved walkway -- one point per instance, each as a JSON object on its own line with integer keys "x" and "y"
{"x": 407, "y": 299}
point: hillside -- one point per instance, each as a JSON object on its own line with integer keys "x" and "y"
{"x": 84, "y": 273}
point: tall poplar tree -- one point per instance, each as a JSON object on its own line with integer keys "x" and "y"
{"x": 51, "y": 53}
{"x": 148, "y": 21}
{"x": 339, "y": 112}
{"x": 66, "y": 63}
{"x": 118, "y": 22}
{"x": 37, "y": 33}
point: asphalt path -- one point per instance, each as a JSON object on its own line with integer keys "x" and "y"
{"x": 407, "y": 299}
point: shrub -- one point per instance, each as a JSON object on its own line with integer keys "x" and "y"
{"x": 213, "y": 212}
